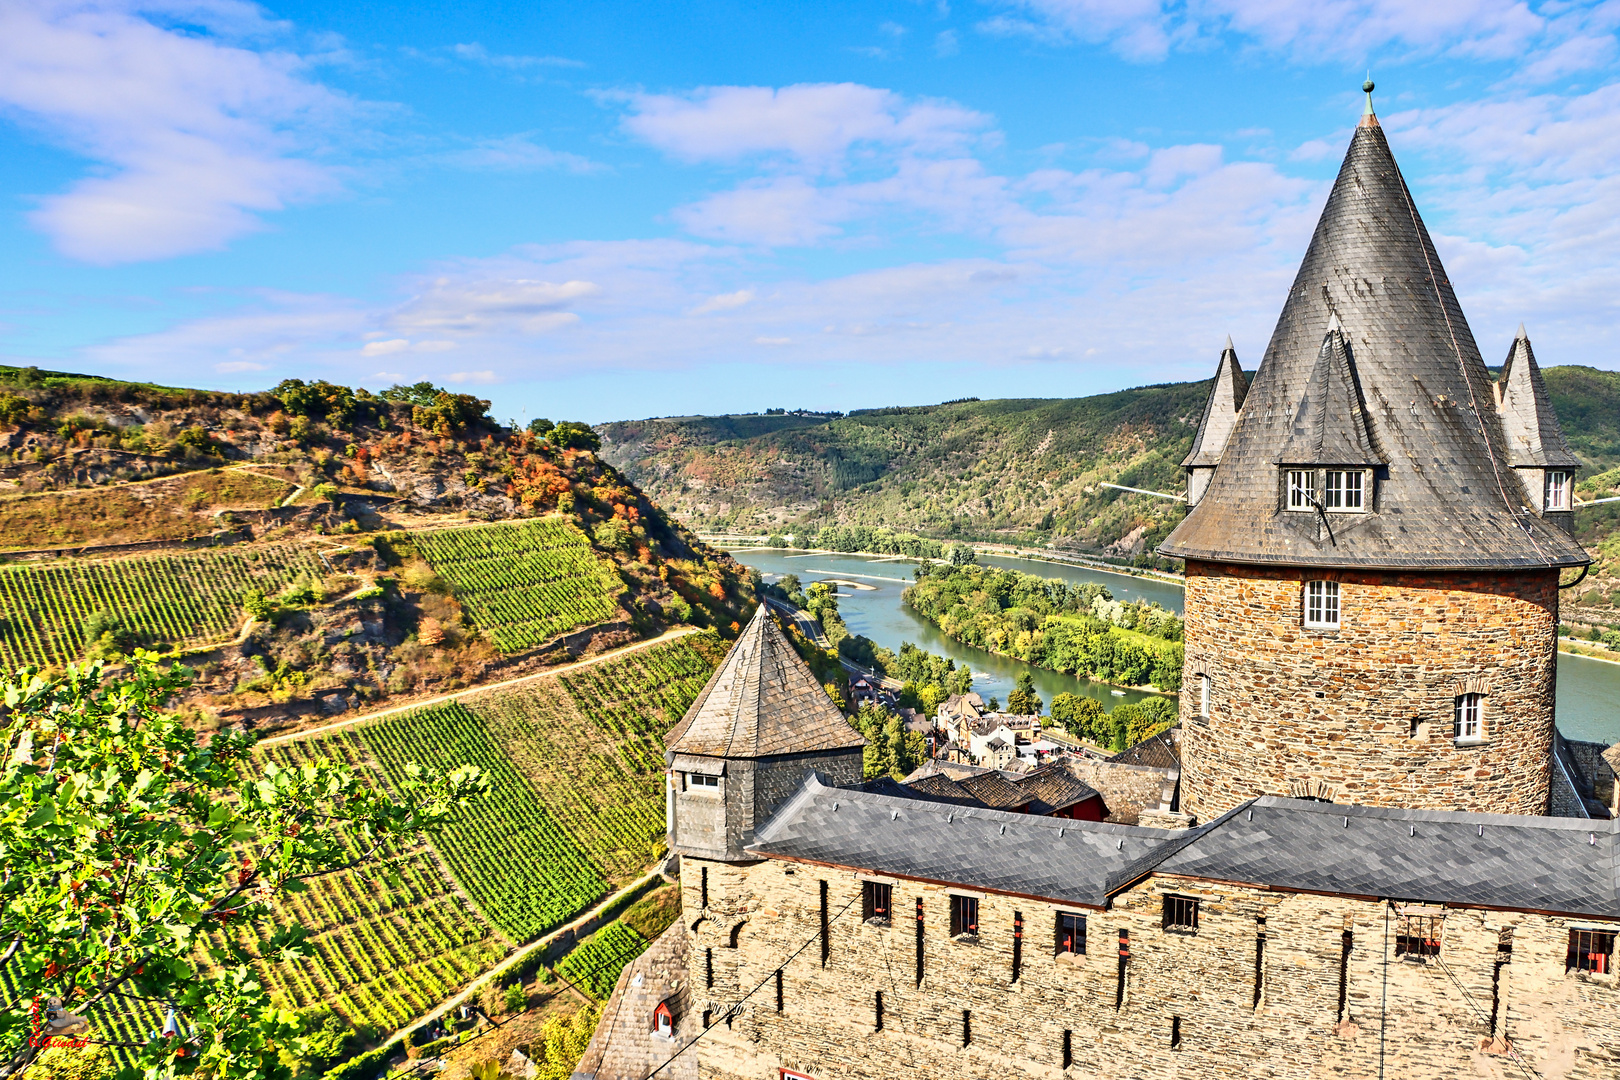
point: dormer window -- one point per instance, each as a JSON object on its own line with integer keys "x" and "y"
{"x": 699, "y": 782}
{"x": 1345, "y": 491}
{"x": 1301, "y": 489}
{"x": 664, "y": 1021}
{"x": 1557, "y": 491}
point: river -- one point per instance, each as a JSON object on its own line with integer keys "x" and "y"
{"x": 1588, "y": 690}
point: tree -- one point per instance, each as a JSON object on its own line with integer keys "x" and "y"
{"x": 125, "y": 841}
{"x": 1024, "y": 701}
{"x": 540, "y": 426}
{"x": 572, "y": 435}
{"x": 1082, "y": 717}
{"x": 963, "y": 555}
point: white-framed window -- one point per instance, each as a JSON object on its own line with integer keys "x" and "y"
{"x": 664, "y": 1020}
{"x": 699, "y": 782}
{"x": 1322, "y": 604}
{"x": 1557, "y": 491}
{"x": 1345, "y": 491}
{"x": 1301, "y": 488}
{"x": 1203, "y": 694}
{"x": 1470, "y": 711}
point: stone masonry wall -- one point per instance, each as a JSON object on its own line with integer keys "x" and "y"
{"x": 1364, "y": 713}
{"x": 1401, "y": 1019}
{"x": 777, "y": 778}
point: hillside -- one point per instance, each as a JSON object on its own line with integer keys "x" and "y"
{"x": 1024, "y": 471}
{"x": 314, "y": 548}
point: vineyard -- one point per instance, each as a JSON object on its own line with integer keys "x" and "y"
{"x": 177, "y": 597}
{"x": 523, "y": 582}
{"x": 595, "y": 965}
{"x": 388, "y": 942}
{"x": 512, "y": 856}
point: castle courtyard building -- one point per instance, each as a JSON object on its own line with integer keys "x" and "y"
{"x": 1373, "y": 883}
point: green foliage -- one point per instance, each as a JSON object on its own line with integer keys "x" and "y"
{"x": 539, "y": 426}
{"x": 422, "y": 393}
{"x": 198, "y": 439}
{"x": 439, "y": 411}
{"x": 325, "y": 492}
{"x": 562, "y": 1043}
{"x": 963, "y": 555}
{"x": 14, "y": 408}
{"x": 572, "y": 435}
{"x": 128, "y": 843}
{"x": 891, "y": 750}
{"x": 336, "y": 405}
{"x": 776, "y": 541}
{"x": 1135, "y": 721}
{"x": 181, "y": 596}
{"x": 612, "y": 534}
{"x": 654, "y": 913}
{"x": 523, "y": 582}
{"x": 880, "y": 541}
{"x": 1075, "y": 628}
{"x": 1024, "y": 701}
{"x": 362, "y": 1066}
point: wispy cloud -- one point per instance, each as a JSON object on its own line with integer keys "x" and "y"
{"x": 194, "y": 135}
{"x": 520, "y": 153}
{"x": 475, "y": 53}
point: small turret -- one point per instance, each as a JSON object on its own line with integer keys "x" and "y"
{"x": 743, "y": 747}
{"x": 1536, "y": 446}
{"x": 1221, "y": 411}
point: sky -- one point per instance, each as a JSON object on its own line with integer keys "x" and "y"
{"x": 602, "y": 210}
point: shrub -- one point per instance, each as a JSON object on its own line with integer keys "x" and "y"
{"x": 515, "y": 998}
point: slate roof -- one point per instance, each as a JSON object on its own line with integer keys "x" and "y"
{"x": 1161, "y": 751}
{"x": 995, "y": 791}
{"x": 1447, "y": 498}
{"x": 1533, "y": 435}
{"x": 1220, "y": 410}
{"x": 1329, "y": 426}
{"x": 1051, "y": 858}
{"x": 1564, "y": 865}
{"x": 1054, "y": 788}
{"x": 939, "y": 788}
{"x": 762, "y": 701}
{"x": 1561, "y": 865}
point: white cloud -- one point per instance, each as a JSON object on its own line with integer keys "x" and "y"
{"x": 1565, "y": 37}
{"x": 814, "y": 124}
{"x": 476, "y": 53}
{"x": 520, "y": 153}
{"x": 383, "y": 348}
{"x": 455, "y": 305}
{"x": 724, "y": 302}
{"x": 235, "y": 367}
{"x": 194, "y": 137}
{"x": 476, "y": 377}
{"x": 773, "y": 341}
{"x": 946, "y": 44}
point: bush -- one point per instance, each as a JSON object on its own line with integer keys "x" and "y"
{"x": 256, "y": 604}
{"x": 515, "y": 998}
{"x": 366, "y": 1066}
{"x": 326, "y": 492}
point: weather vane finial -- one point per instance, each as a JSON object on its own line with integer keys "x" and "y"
{"x": 1368, "y": 88}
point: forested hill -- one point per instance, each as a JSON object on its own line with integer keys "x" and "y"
{"x": 1011, "y": 470}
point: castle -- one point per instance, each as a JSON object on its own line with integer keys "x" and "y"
{"x": 1387, "y": 869}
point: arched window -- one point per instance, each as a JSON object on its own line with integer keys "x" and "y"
{"x": 664, "y": 1021}
{"x": 1322, "y": 604}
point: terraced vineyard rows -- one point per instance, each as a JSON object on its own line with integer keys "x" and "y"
{"x": 523, "y": 582}
{"x": 595, "y": 966}
{"x": 524, "y": 869}
{"x": 177, "y": 597}
{"x": 592, "y": 743}
{"x": 389, "y": 942}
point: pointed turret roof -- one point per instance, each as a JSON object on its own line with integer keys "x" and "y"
{"x": 762, "y": 701}
{"x": 1220, "y": 411}
{"x": 1446, "y": 497}
{"x": 1329, "y": 426}
{"x": 1533, "y": 435}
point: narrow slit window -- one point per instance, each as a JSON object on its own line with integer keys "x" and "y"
{"x": 877, "y": 903}
{"x": 1558, "y": 491}
{"x": 1590, "y": 950}
{"x": 964, "y": 917}
{"x": 1203, "y": 694}
{"x": 1322, "y": 604}
{"x": 1418, "y": 936}
{"x": 1469, "y": 710}
{"x": 877, "y": 1012}
{"x": 1071, "y": 934}
{"x": 826, "y": 941}
{"x": 1345, "y": 491}
{"x": 1181, "y": 913}
{"x": 1068, "y": 1047}
{"x": 1018, "y": 945}
{"x": 1175, "y": 1033}
{"x": 967, "y": 1027}
{"x": 1300, "y": 485}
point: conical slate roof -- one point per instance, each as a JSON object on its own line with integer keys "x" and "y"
{"x": 762, "y": 701}
{"x": 1533, "y": 435}
{"x": 1220, "y": 411}
{"x": 1447, "y": 496}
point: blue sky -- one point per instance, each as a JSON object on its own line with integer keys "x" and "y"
{"x": 599, "y": 211}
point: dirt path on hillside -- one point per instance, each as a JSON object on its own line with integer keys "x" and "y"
{"x": 424, "y": 703}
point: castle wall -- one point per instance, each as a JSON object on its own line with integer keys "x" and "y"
{"x": 1364, "y": 713}
{"x": 1401, "y": 1019}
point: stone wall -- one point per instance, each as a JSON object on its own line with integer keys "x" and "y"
{"x": 1364, "y": 713}
{"x": 718, "y": 823}
{"x": 1127, "y": 789}
{"x": 1189, "y": 1005}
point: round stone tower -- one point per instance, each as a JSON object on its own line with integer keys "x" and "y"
{"x": 1374, "y": 547}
